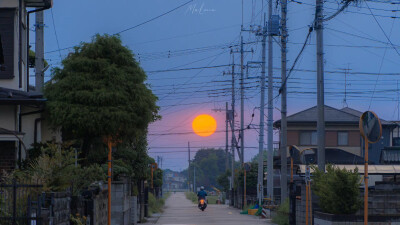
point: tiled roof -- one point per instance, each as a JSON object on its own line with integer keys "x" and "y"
{"x": 332, "y": 115}
{"x": 12, "y": 96}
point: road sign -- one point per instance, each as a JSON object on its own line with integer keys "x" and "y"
{"x": 307, "y": 174}
{"x": 370, "y": 127}
{"x": 371, "y": 130}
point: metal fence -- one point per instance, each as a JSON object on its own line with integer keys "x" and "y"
{"x": 20, "y": 203}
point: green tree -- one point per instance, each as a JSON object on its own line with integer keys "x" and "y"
{"x": 337, "y": 189}
{"x": 251, "y": 178}
{"x": 223, "y": 180}
{"x": 209, "y": 163}
{"x": 99, "y": 92}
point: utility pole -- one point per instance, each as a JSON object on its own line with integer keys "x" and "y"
{"x": 241, "y": 134}
{"x": 233, "y": 123}
{"x": 260, "y": 185}
{"x": 283, "y": 136}
{"x": 188, "y": 166}
{"x": 39, "y": 52}
{"x": 227, "y": 120}
{"x": 320, "y": 84}
{"x": 227, "y": 135}
{"x": 194, "y": 178}
{"x": 270, "y": 154}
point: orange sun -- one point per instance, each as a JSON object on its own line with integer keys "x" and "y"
{"x": 204, "y": 125}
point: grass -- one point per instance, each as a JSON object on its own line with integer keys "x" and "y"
{"x": 157, "y": 205}
{"x": 193, "y": 197}
{"x": 282, "y": 214}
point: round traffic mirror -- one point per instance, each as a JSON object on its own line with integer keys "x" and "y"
{"x": 370, "y": 127}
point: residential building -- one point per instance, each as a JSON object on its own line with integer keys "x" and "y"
{"x": 21, "y": 109}
{"x": 174, "y": 180}
{"x": 341, "y": 131}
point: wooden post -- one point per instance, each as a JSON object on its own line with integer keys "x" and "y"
{"x": 109, "y": 179}
{"x": 152, "y": 184}
{"x": 310, "y": 199}
{"x": 291, "y": 169}
{"x": 306, "y": 202}
{"x": 244, "y": 201}
{"x": 366, "y": 184}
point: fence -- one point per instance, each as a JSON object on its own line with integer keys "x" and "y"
{"x": 20, "y": 203}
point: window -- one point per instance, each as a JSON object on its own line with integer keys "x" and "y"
{"x": 396, "y": 141}
{"x": 308, "y": 138}
{"x": 7, "y": 41}
{"x": 343, "y": 138}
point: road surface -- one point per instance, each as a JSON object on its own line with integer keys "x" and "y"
{"x": 180, "y": 211}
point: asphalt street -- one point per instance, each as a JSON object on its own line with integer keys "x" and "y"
{"x": 180, "y": 211}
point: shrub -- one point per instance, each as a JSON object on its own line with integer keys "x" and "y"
{"x": 191, "y": 196}
{"x": 55, "y": 169}
{"x": 337, "y": 189}
{"x": 282, "y": 217}
{"x": 155, "y": 205}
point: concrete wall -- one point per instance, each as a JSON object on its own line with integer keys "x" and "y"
{"x": 120, "y": 206}
{"x": 134, "y": 212}
{"x": 383, "y": 207}
{"x": 59, "y": 211}
{"x": 100, "y": 204}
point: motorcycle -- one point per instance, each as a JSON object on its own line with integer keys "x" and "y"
{"x": 202, "y": 204}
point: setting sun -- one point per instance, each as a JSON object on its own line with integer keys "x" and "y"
{"x": 204, "y": 125}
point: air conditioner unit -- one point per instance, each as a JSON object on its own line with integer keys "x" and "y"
{"x": 39, "y": 3}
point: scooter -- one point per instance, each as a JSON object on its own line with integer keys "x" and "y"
{"x": 202, "y": 204}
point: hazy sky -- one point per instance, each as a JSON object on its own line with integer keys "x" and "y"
{"x": 199, "y": 35}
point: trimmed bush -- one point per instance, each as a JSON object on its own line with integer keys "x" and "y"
{"x": 337, "y": 189}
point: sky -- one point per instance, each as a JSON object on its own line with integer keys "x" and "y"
{"x": 361, "y": 55}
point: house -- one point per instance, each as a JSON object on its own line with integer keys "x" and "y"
{"x": 21, "y": 110}
{"x": 174, "y": 180}
{"x": 341, "y": 131}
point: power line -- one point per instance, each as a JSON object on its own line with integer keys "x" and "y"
{"x": 55, "y": 32}
{"x": 154, "y": 18}
{"x": 192, "y": 68}
{"x": 383, "y": 31}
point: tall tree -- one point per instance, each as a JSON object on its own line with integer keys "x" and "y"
{"x": 99, "y": 92}
{"x": 209, "y": 163}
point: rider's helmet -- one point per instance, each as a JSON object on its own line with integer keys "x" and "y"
{"x": 202, "y": 188}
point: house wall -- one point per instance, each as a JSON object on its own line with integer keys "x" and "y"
{"x": 375, "y": 149}
{"x": 28, "y": 127}
{"x": 331, "y": 137}
{"x": 8, "y": 117}
{"x": 49, "y": 134}
{"x": 13, "y": 83}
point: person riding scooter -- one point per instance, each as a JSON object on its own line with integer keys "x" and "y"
{"x": 202, "y": 198}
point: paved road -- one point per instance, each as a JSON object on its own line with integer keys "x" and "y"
{"x": 180, "y": 211}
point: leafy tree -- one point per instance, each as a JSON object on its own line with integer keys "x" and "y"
{"x": 99, "y": 92}
{"x": 32, "y": 59}
{"x": 265, "y": 156}
{"x": 209, "y": 163}
{"x": 251, "y": 179}
{"x": 337, "y": 189}
{"x": 223, "y": 180}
